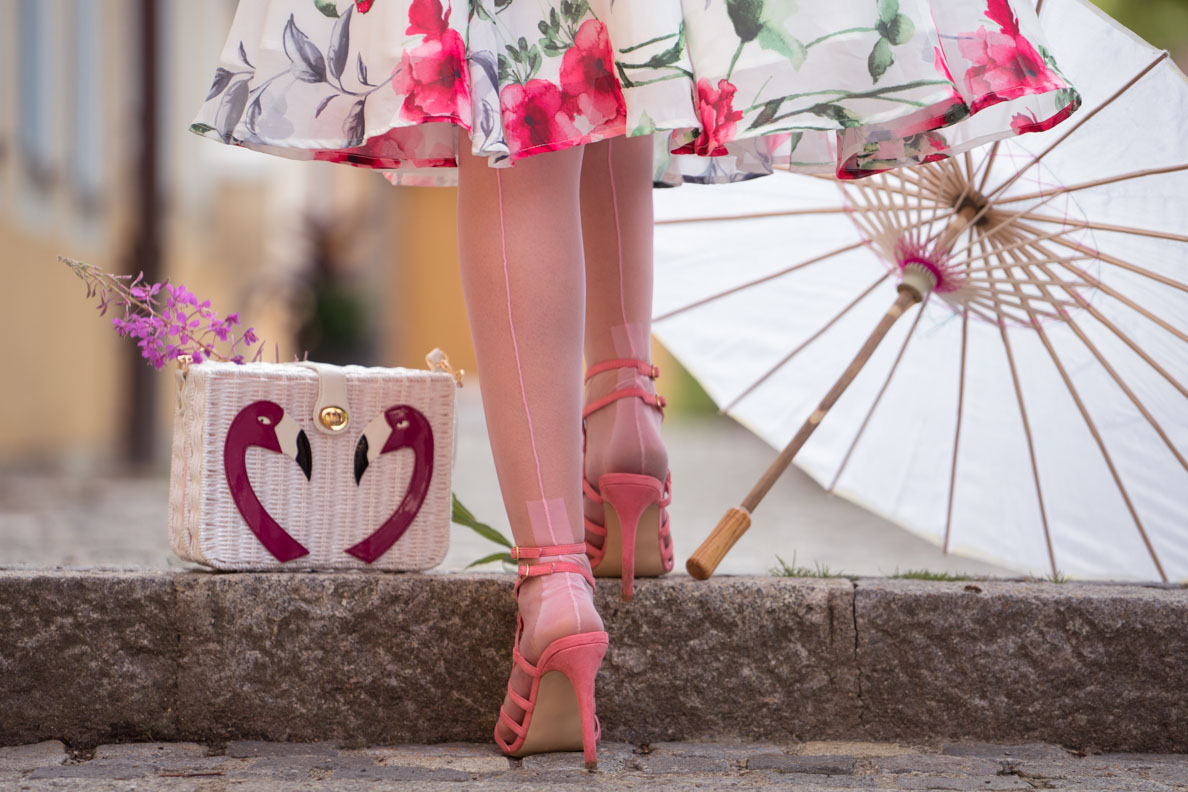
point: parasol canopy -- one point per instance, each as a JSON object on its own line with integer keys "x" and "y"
{"x": 1032, "y": 409}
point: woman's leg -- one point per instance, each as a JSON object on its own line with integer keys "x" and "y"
{"x": 520, "y": 252}
{"x": 616, "y": 199}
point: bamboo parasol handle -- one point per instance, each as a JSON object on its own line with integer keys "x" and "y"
{"x": 737, "y": 520}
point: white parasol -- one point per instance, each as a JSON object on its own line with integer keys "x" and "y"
{"x": 1033, "y": 409}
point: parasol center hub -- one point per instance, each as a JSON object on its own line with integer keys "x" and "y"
{"x": 918, "y": 276}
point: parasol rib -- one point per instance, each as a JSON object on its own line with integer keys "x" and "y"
{"x": 764, "y": 279}
{"x": 989, "y": 198}
{"x": 1106, "y": 257}
{"x": 1063, "y": 189}
{"x": 1097, "y": 284}
{"x": 1147, "y": 232}
{"x": 1039, "y": 494}
{"x": 757, "y": 281}
{"x": 1096, "y": 314}
{"x": 1093, "y": 427}
{"x": 753, "y": 215}
{"x": 1003, "y": 310}
{"x": 878, "y": 398}
{"x": 957, "y": 435}
{"x": 1040, "y": 237}
{"x": 1077, "y": 124}
{"x": 1127, "y": 390}
{"x": 988, "y": 162}
{"x": 849, "y": 306}
{"x": 1104, "y": 452}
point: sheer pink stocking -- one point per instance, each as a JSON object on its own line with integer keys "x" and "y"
{"x": 616, "y": 203}
{"x": 520, "y": 251}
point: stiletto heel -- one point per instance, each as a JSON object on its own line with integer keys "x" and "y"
{"x": 559, "y": 711}
{"x": 634, "y": 542}
{"x": 580, "y": 665}
{"x": 625, "y": 497}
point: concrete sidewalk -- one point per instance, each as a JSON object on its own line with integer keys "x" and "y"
{"x": 813, "y": 767}
{"x": 82, "y": 520}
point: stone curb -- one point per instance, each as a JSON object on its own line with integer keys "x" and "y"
{"x": 92, "y": 657}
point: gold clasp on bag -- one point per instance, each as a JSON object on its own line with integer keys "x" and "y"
{"x": 334, "y": 418}
{"x": 440, "y": 361}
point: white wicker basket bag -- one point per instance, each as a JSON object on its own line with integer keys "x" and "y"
{"x": 312, "y": 466}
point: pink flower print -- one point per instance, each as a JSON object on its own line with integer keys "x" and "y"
{"x": 588, "y": 78}
{"x": 718, "y": 118}
{"x": 534, "y": 116}
{"x": 363, "y": 6}
{"x": 1003, "y": 62}
{"x": 434, "y": 80}
{"x": 942, "y": 65}
{"x": 426, "y": 18}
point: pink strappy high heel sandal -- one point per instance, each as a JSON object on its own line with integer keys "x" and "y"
{"x": 559, "y": 710}
{"x": 636, "y": 539}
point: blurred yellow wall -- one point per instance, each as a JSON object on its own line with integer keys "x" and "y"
{"x": 232, "y": 230}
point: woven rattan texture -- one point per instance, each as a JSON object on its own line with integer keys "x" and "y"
{"x": 328, "y": 513}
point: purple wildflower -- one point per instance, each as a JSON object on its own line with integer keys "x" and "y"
{"x": 182, "y": 326}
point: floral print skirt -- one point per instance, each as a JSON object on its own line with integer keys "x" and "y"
{"x": 730, "y": 88}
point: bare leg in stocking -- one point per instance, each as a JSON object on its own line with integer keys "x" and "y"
{"x": 616, "y": 201}
{"x": 520, "y": 251}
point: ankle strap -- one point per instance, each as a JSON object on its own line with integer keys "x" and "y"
{"x": 653, "y": 399}
{"x": 548, "y": 568}
{"x": 536, "y": 570}
{"x": 528, "y": 551}
{"x": 644, "y": 367}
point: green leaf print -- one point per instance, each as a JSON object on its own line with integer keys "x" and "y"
{"x": 767, "y": 114}
{"x": 477, "y": 10}
{"x": 880, "y": 59}
{"x": 646, "y": 125}
{"x": 776, "y": 40}
{"x": 898, "y": 31}
{"x": 574, "y": 10}
{"x": 746, "y": 16}
{"x": 893, "y": 28}
{"x": 521, "y": 63}
{"x": 836, "y": 113}
{"x": 327, "y": 7}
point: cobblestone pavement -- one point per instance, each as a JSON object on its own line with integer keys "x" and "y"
{"x": 813, "y": 766}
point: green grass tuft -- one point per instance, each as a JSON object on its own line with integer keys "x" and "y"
{"x": 819, "y": 570}
{"x": 926, "y": 574}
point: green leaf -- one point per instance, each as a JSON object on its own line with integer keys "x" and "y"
{"x": 476, "y": 9}
{"x": 776, "y": 40}
{"x": 795, "y": 141}
{"x": 463, "y": 516}
{"x": 201, "y": 129}
{"x": 836, "y": 113}
{"x": 646, "y": 125}
{"x": 327, "y": 7}
{"x": 745, "y": 16}
{"x": 489, "y": 558}
{"x": 880, "y": 59}
{"x": 888, "y": 9}
{"x": 898, "y": 31}
{"x": 767, "y": 114}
